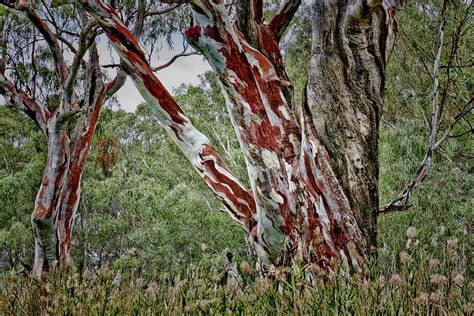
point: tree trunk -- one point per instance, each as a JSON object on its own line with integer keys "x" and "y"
{"x": 44, "y": 214}
{"x": 314, "y": 180}
{"x": 58, "y": 197}
{"x": 314, "y": 186}
{"x": 345, "y": 97}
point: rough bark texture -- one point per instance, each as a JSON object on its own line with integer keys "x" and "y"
{"x": 345, "y": 98}
{"x": 314, "y": 185}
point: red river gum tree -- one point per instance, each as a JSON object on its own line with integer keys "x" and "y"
{"x": 313, "y": 168}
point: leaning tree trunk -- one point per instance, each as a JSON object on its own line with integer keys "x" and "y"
{"x": 308, "y": 208}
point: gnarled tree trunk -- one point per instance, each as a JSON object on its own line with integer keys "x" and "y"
{"x": 314, "y": 185}
{"x": 345, "y": 98}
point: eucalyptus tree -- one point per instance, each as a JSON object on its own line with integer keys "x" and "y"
{"x": 64, "y": 104}
{"x": 313, "y": 168}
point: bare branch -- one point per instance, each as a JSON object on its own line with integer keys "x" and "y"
{"x": 467, "y": 109}
{"x": 402, "y": 201}
{"x": 172, "y": 60}
{"x": 161, "y": 12}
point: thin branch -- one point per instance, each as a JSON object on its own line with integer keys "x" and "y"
{"x": 161, "y": 12}
{"x": 283, "y": 17}
{"x": 172, "y": 60}
{"x": 468, "y": 108}
{"x": 402, "y": 201}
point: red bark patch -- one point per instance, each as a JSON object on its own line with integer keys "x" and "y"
{"x": 324, "y": 251}
{"x": 193, "y": 33}
{"x": 338, "y": 236}
{"x": 210, "y": 160}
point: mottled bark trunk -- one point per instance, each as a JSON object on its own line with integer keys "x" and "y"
{"x": 345, "y": 98}
{"x": 43, "y": 217}
{"x": 314, "y": 180}
{"x": 81, "y": 140}
{"x": 313, "y": 201}
{"x": 59, "y": 194}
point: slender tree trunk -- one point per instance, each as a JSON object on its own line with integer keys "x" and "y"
{"x": 314, "y": 185}
{"x": 43, "y": 217}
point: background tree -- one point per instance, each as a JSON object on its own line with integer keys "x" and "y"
{"x": 52, "y": 101}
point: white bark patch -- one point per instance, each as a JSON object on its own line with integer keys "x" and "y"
{"x": 289, "y": 173}
{"x": 270, "y": 159}
{"x": 284, "y": 112}
{"x": 345, "y": 262}
{"x": 276, "y": 197}
{"x": 273, "y": 238}
{"x": 314, "y": 148}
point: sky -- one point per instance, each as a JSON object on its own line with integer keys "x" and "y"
{"x": 183, "y": 70}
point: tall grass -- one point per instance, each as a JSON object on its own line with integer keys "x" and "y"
{"x": 417, "y": 282}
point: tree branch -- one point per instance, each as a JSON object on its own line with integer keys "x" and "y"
{"x": 283, "y": 17}
{"x": 85, "y": 41}
{"x": 114, "y": 85}
{"x": 49, "y": 36}
{"x": 193, "y": 144}
{"x": 249, "y": 15}
{"x": 402, "y": 201}
{"x": 161, "y": 12}
{"x": 20, "y": 100}
{"x": 172, "y": 60}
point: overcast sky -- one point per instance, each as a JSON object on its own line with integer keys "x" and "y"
{"x": 183, "y": 70}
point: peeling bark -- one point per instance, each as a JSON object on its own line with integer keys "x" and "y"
{"x": 194, "y": 145}
{"x": 314, "y": 177}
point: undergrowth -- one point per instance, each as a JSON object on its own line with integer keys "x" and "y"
{"x": 419, "y": 282}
